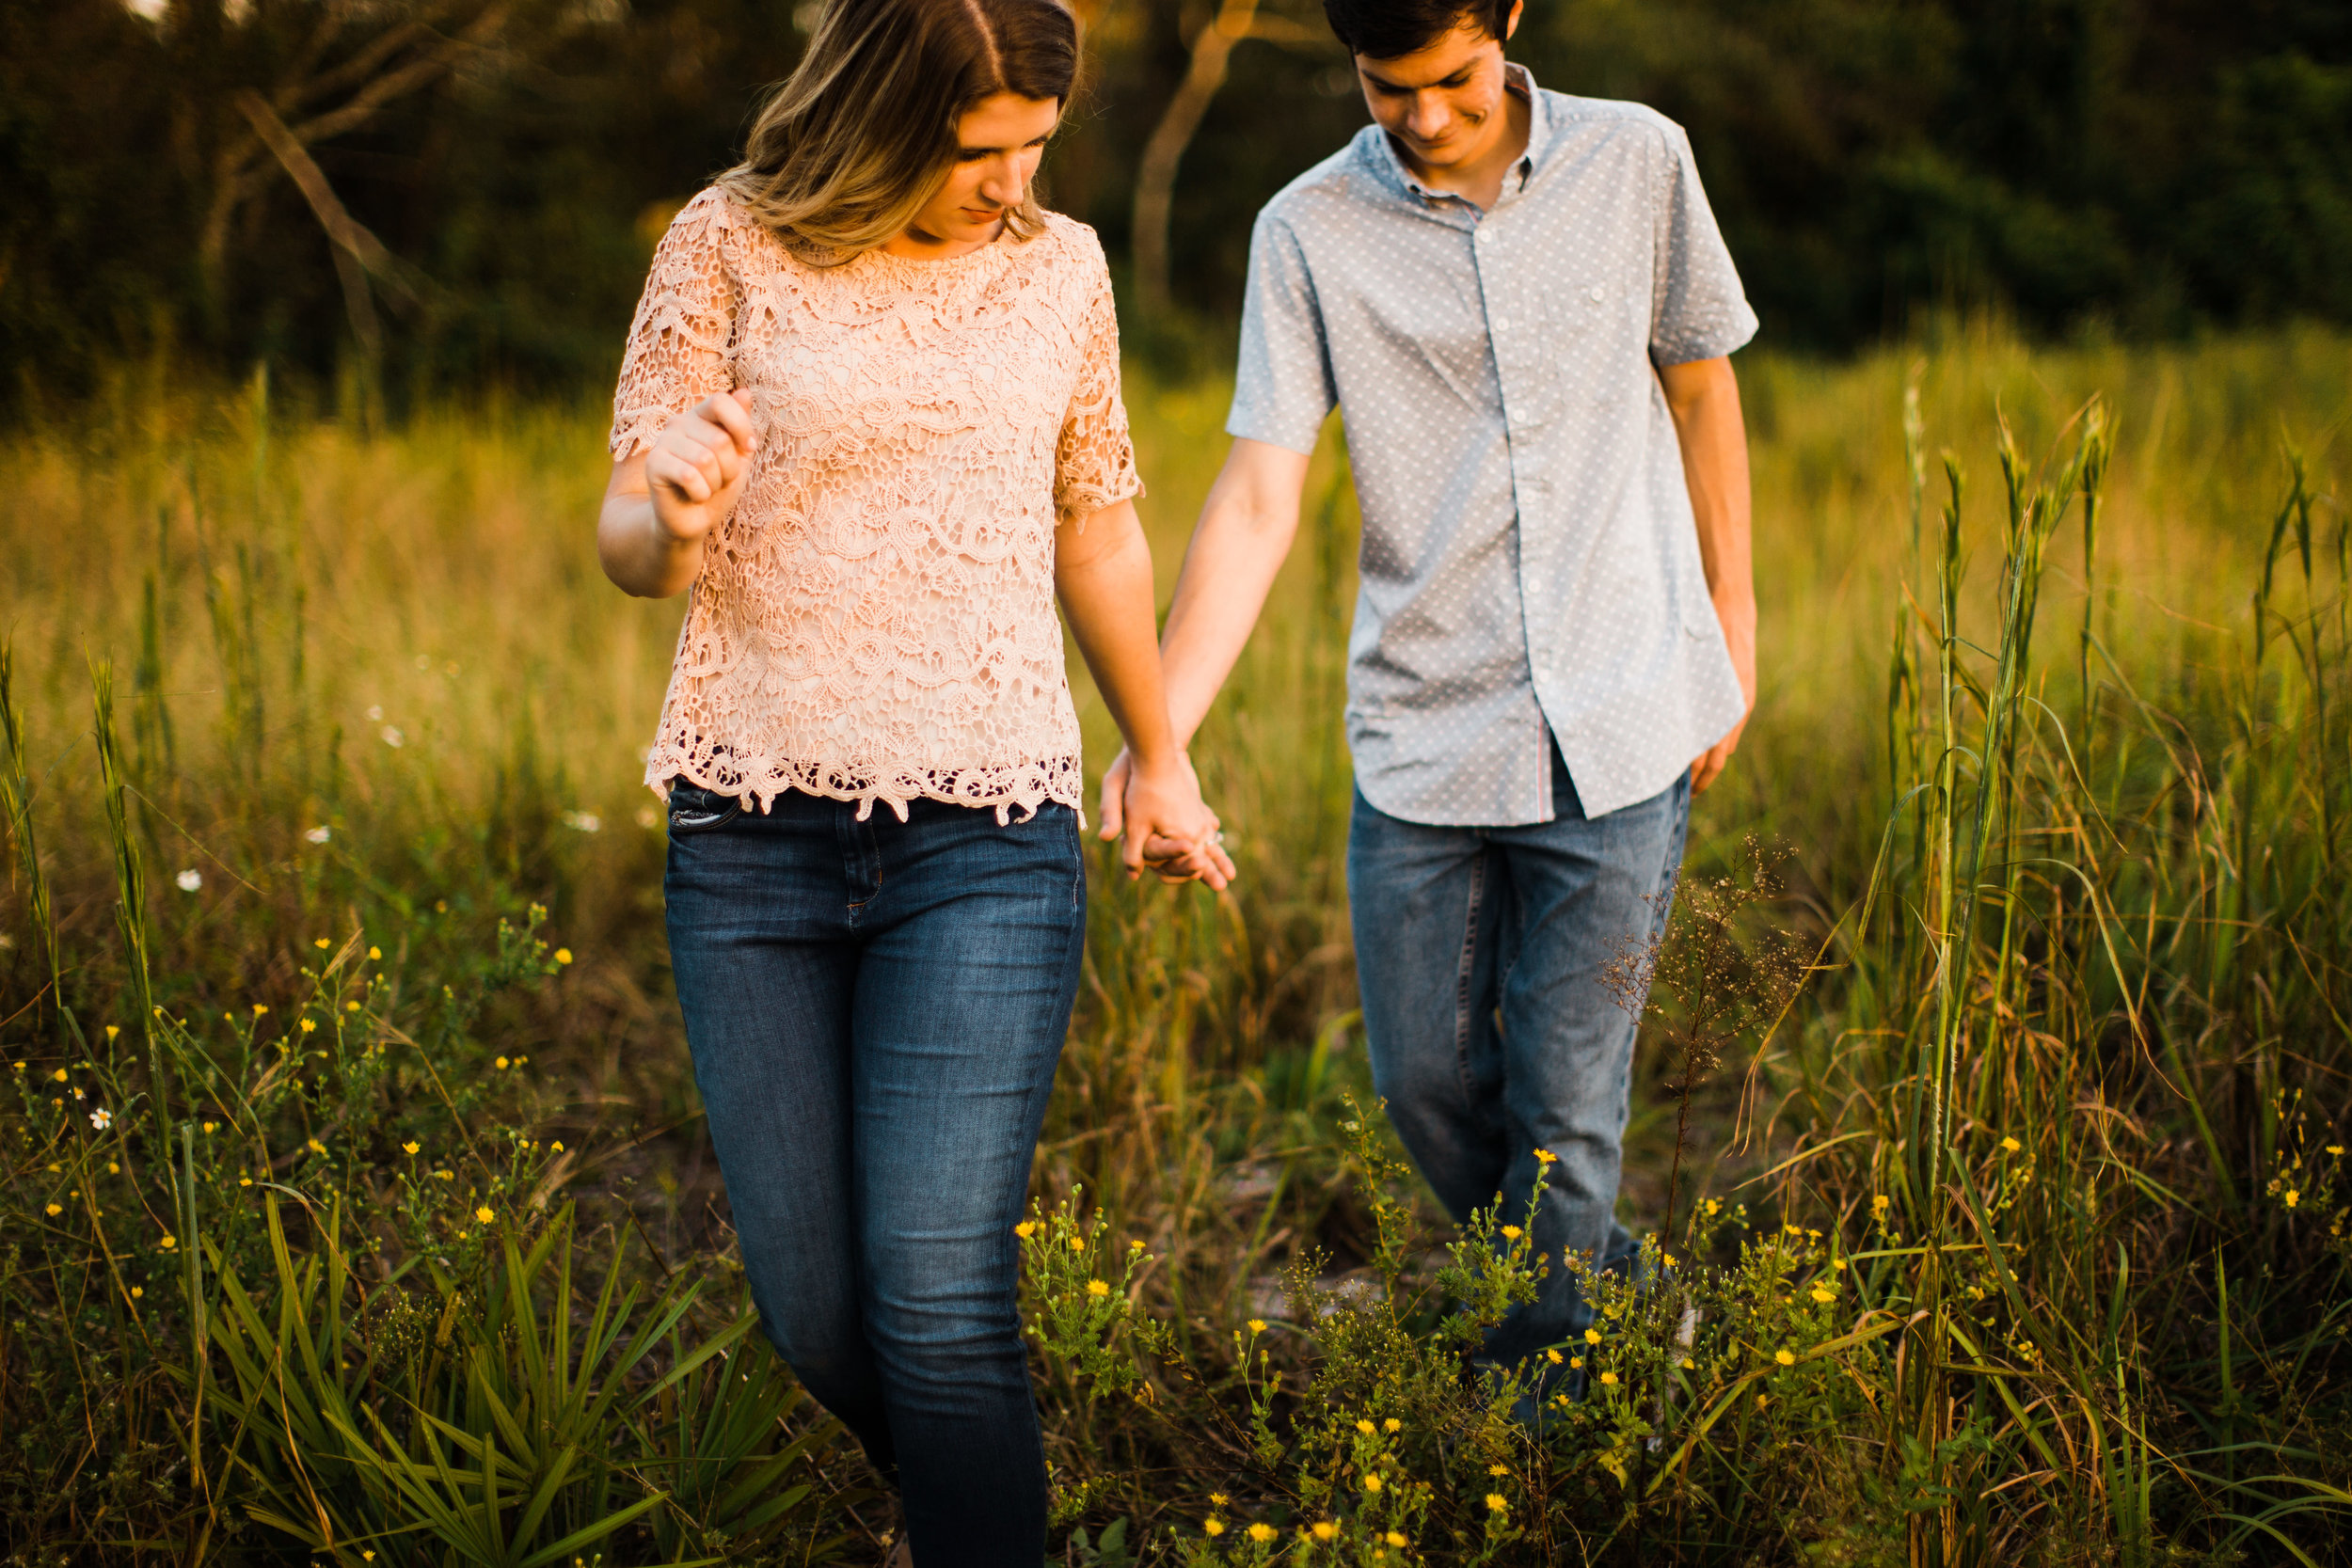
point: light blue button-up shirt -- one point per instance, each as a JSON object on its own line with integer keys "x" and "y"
{"x": 1530, "y": 568}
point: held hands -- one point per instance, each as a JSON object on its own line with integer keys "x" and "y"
{"x": 697, "y": 465}
{"x": 1168, "y": 828}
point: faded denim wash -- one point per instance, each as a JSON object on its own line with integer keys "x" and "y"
{"x": 1480, "y": 953}
{"x": 876, "y": 1009}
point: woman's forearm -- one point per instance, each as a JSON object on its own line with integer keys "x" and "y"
{"x": 640, "y": 555}
{"x": 1103, "y": 573}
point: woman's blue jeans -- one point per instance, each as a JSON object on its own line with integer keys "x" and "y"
{"x": 876, "y": 1008}
{"x": 1481, "y": 954}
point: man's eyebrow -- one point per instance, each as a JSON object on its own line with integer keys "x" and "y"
{"x": 1386, "y": 86}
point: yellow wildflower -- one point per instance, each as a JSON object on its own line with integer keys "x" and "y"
{"x": 259, "y": 1009}
{"x": 1372, "y": 1481}
{"x": 1545, "y": 1157}
{"x": 245, "y": 1182}
{"x": 1784, "y": 1358}
{"x": 1392, "y": 1424}
{"x": 208, "y": 1127}
{"x": 557, "y": 1146}
{"x": 2291, "y": 1198}
{"x": 1325, "y": 1529}
{"x": 1556, "y": 1358}
{"x": 1498, "y": 1469}
{"x": 310, "y": 1026}
{"x": 1097, "y": 1288}
{"x": 1365, "y": 1427}
{"x": 501, "y": 1064}
{"x": 55, "y": 1209}
{"x": 138, "y": 1291}
{"x": 1609, "y": 1380}
{"x": 1511, "y": 1232}
{"x": 376, "y": 952}
{"x": 351, "y": 1006}
{"x": 321, "y": 942}
{"x": 168, "y": 1243}
{"x": 1077, "y": 1243}
{"x": 58, "y": 1075}
{"x": 1262, "y": 1533}
{"x": 1689, "y": 1365}
{"x": 483, "y": 1215}
{"x": 1216, "y": 1499}
{"x": 1576, "y": 1362}
{"x": 1394, "y": 1538}
{"x": 411, "y": 1146}
{"x": 2011, "y": 1145}
{"x": 1592, "y": 1336}
{"x": 1213, "y": 1527}
{"x": 563, "y": 955}
{"x": 1497, "y": 1503}
{"x": 1025, "y": 1230}
{"x": 314, "y": 1146}
{"x": 1257, "y": 1325}
{"x": 1824, "y": 1297}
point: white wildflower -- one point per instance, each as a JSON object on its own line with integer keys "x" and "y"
{"x": 585, "y": 821}
{"x": 102, "y": 1119}
{"x": 190, "y": 879}
{"x": 394, "y": 737}
{"x": 376, "y": 716}
{"x": 318, "y": 835}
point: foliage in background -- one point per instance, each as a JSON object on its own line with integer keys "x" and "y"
{"x": 2134, "y": 166}
{"x": 2064, "y": 1092}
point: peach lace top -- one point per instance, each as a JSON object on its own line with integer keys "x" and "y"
{"x": 875, "y": 620}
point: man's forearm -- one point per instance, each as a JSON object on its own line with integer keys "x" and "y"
{"x": 1704, "y": 401}
{"x": 1245, "y": 530}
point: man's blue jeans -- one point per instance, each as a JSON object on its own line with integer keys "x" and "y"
{"x": 1480, "y": 952}
{"x": 876, "y": 1009}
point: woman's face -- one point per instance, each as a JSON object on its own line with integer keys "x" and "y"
{"x": 1001, "y": 139}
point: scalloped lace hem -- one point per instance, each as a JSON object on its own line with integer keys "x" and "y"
{"x": 1022, "y": 787}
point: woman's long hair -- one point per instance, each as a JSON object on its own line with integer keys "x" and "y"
{"x": 848, "y": 148}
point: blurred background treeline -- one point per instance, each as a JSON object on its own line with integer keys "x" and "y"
{"x": 465, "y": 192}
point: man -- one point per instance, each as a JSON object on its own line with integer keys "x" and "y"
{"x": 1521, "y": 305}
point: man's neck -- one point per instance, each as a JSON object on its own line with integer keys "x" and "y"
{"x": 1478, "y": 179}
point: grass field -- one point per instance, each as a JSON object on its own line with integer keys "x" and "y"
{"x": 1996, "y": 1081}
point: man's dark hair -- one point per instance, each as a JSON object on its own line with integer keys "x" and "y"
{"x": 1386, "y": 29}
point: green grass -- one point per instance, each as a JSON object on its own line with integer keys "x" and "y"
{"x": 2011, "y": 974}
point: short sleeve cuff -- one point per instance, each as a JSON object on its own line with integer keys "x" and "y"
{"x": 1709, "y": 340}
{"x": 1259, "y": 424}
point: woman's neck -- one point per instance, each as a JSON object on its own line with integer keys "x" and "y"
{"x": 919, "y": 245}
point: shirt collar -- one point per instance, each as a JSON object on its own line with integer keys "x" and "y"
{"x": 1517, "y": 78}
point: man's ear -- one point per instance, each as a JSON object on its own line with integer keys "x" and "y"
{"x": 1511, "y": 23}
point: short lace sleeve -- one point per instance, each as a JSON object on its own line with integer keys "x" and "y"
{"x": 1094, "y": 465}
{"x": 678, "y": 345}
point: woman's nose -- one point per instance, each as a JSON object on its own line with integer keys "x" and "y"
{"x": 1003, "y": 183}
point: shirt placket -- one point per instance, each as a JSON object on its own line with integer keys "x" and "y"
{"x": 1506, "y": 278}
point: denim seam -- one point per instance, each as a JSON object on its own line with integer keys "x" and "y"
{"x": 1466, "y": 976}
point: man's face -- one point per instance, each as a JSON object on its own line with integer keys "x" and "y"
{"x": 1444, "y": 102}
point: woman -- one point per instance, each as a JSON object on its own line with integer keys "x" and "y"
{"x": 869, "y": 412}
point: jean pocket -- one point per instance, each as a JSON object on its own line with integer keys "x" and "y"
{"x": 696, "y": 810}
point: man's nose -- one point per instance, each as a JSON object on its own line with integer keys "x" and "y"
{"x": 1428, "y": 118}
